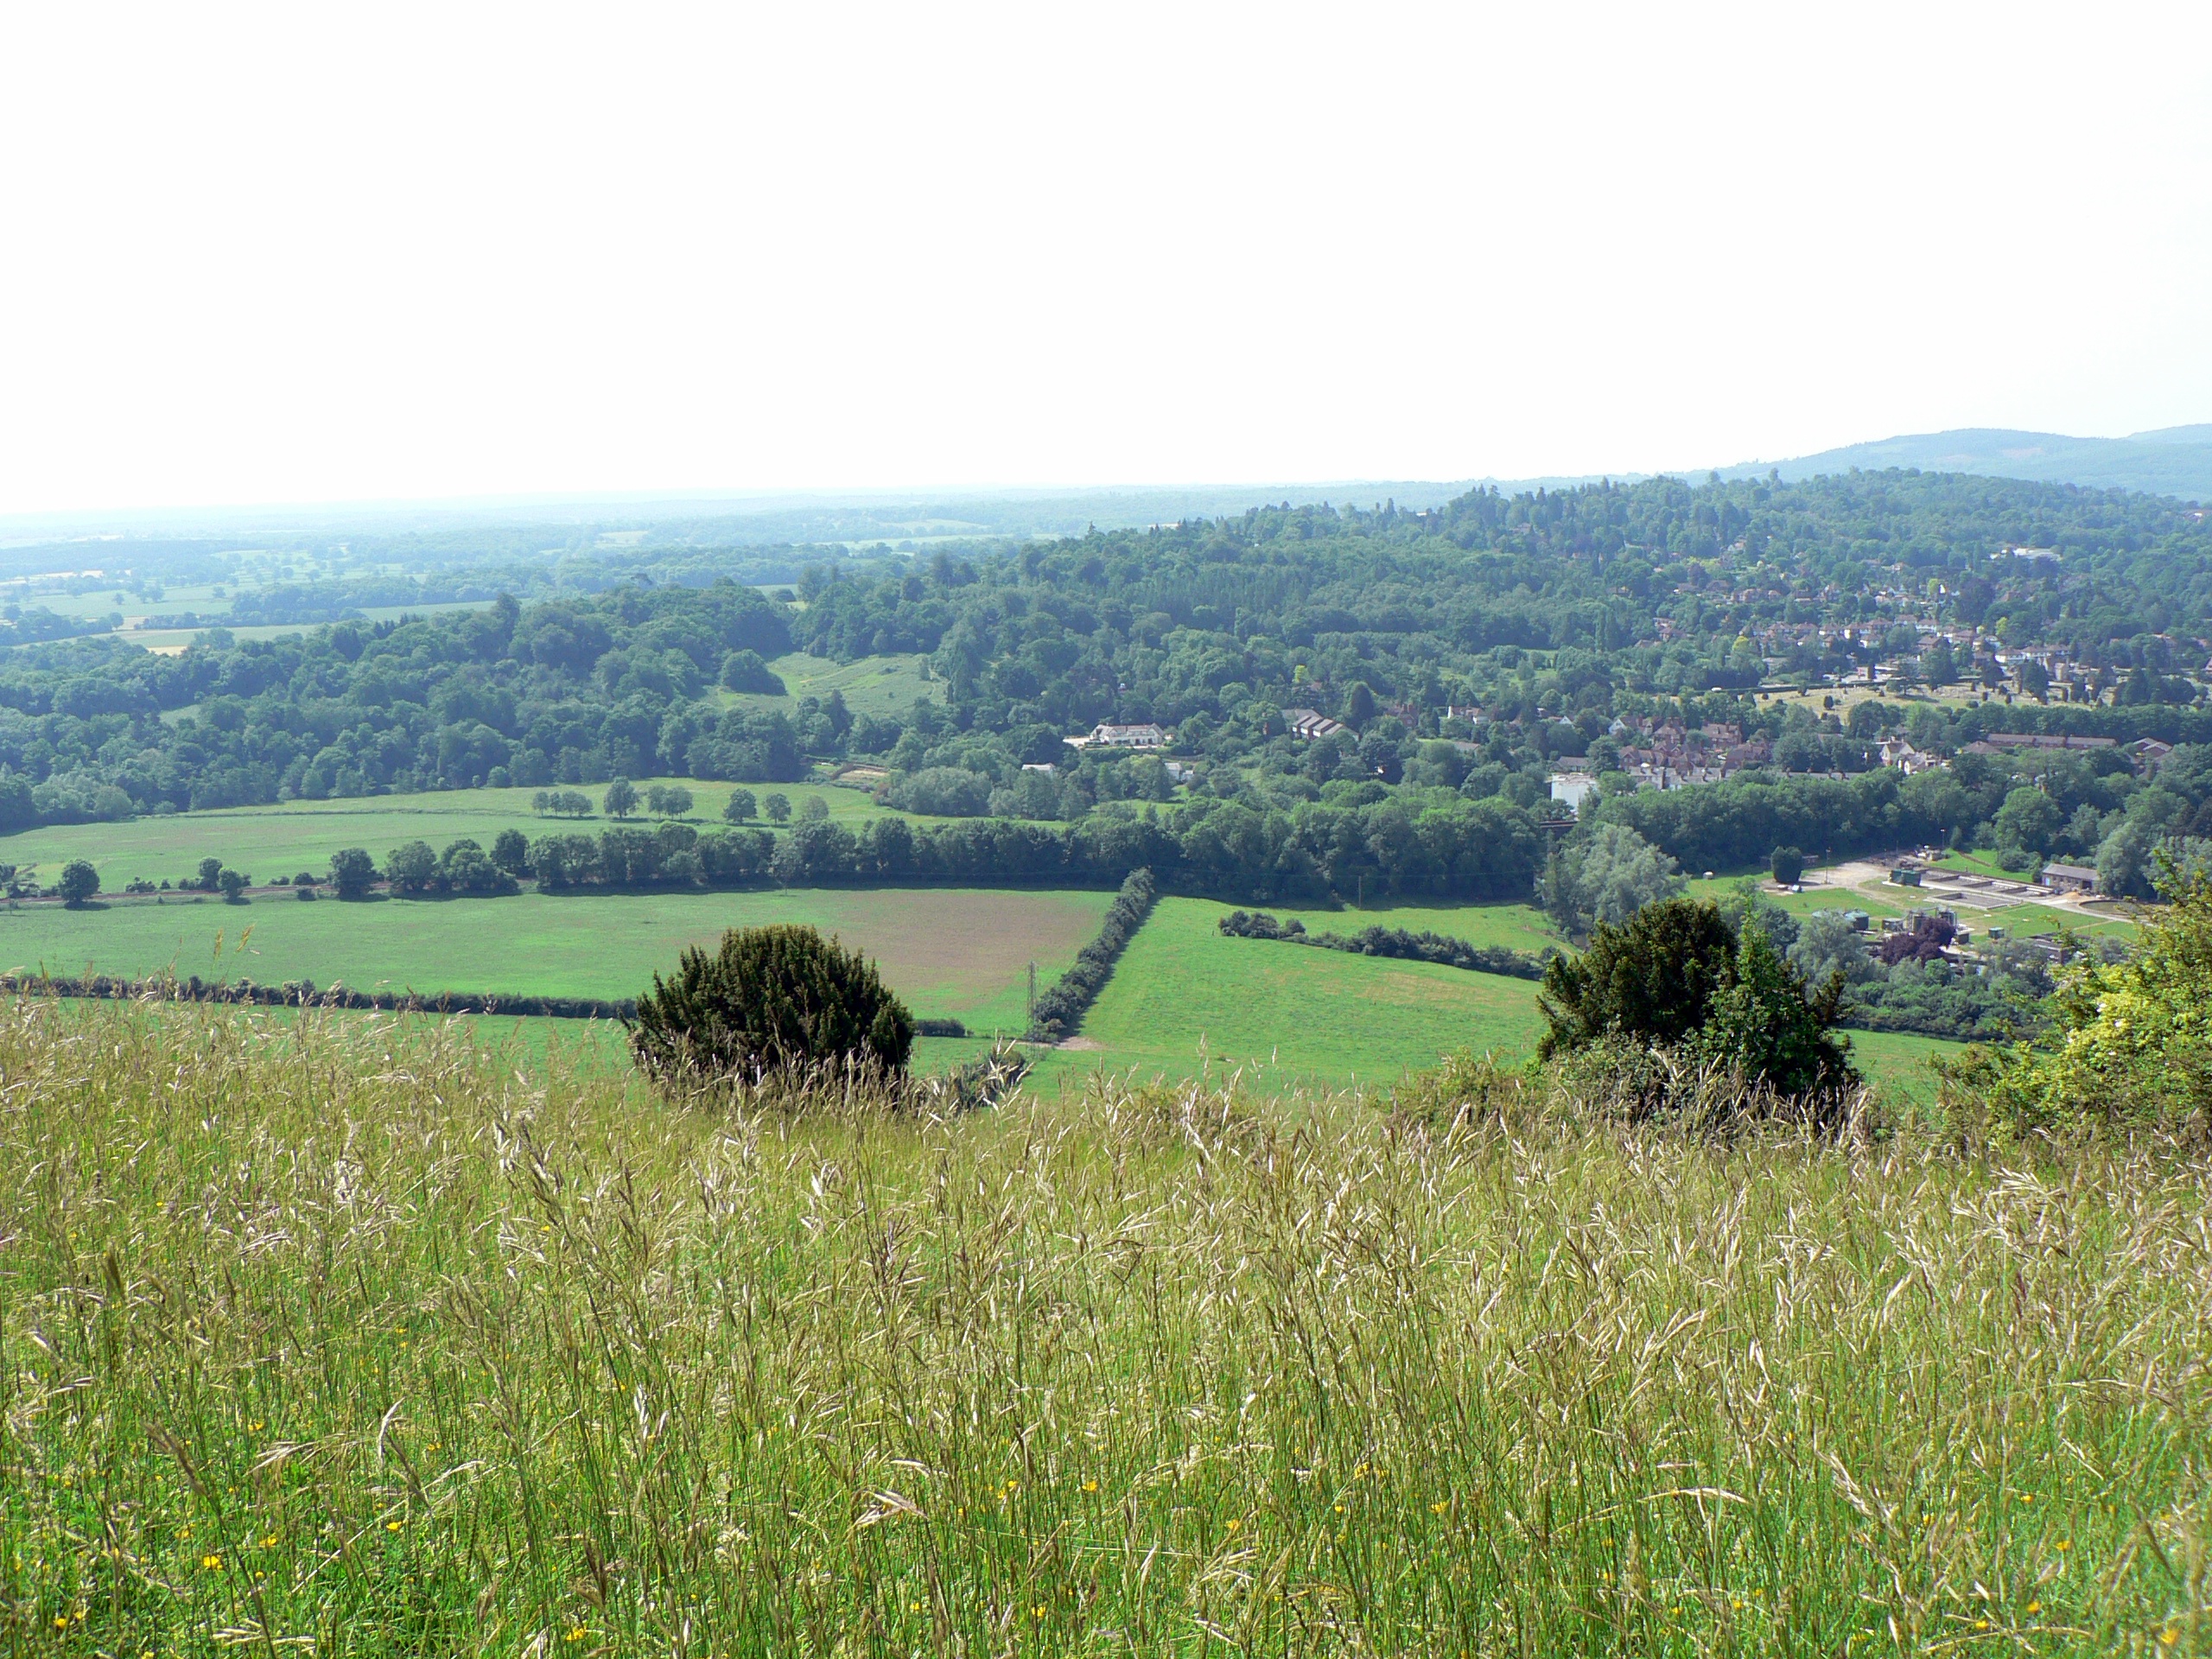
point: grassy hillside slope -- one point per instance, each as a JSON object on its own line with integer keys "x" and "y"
{"x": 318, "y": 1344}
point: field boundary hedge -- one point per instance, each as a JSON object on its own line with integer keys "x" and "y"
{"x": 1060, "y": 1010}
{"x": 305, "y": 994}
{"x": 1401, "y": 943}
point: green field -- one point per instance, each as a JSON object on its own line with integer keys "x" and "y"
{"x": 1187, "y": 1001}
{"x": 291, "y": 837}
{"x": 871, "y": 685}
{"x": 951, "y": 952}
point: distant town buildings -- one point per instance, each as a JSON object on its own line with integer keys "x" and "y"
{"x": 1312, "y": 723}
{"x": 2068, "y": 878}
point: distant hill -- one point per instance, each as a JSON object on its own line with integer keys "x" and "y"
{"x": 2175, "y": 460}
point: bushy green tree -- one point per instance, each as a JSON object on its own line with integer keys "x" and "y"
{"x": 1677, "y": 977}
{"x": 620, "y": 799}
{"x": 768, "y": 999}
{"x": 777, "y": 807}
{"x": 352, "y": 872}
{"x": 1605, "y": 875}
{"x": 2130, "y": 1047}
{"x": 1786, "y": 865}
{"x": 1651, "y": 980}
{"x": 741, "y": 808}
{"x": 668, "y": 801}
{"x": 1764, "y": 1020}
{"x": 411, "y": 868}
{"x": 745, "y": 671}
{"x": 79, "y": 882}
{"x": 510, "y": 852}
{"x": 233, "y": 884}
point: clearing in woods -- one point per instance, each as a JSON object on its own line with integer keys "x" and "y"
{"x": 961, "y": 953}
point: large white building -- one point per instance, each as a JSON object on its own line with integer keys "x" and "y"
{"x": 1121, "y": 737}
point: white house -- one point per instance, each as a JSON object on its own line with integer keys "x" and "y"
{"x": 1121, "y": 737}
{"x": 1573, "y": 788}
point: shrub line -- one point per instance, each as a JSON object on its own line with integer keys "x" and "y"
{"x": 1403, "y": 943}
{"x": 1059, "y": 1011}
{"x": 305, "y": 994}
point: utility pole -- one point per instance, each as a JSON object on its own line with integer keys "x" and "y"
{"x": 1032, "y": 993}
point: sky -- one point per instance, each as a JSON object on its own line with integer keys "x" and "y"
{"x": 295, "y": 254}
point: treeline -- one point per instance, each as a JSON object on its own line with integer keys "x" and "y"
{"x": 1404, "y": 845}
{"x": 1061, "y": 1008}
{"x": 1402, "y": 944}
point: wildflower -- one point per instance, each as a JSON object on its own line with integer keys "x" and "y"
{"x": 577, "y": 1634}
{"x": 1234, "y": 1523}
{"x": 269, "y": 1541}
{"x": 2065, "y": 1544}
{"x": 1981, "y": 1624}
{"x": 392, "y": 1526}
{"x": 1090, "y": 1485}
{"x": 2034, "y": 1606}
{"x": 1440, "y": 1506}
{"x": 2168, "y": 1636}
{"x": 212, "y": 1563}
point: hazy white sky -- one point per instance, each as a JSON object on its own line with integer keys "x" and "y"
{"x": 312, "y": 252}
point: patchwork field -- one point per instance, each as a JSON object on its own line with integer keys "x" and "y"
{"x": 956, "y": 952}
{"x": 294, "y": 836}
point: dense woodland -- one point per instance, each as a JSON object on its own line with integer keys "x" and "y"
{"x": 1465, "y": 648}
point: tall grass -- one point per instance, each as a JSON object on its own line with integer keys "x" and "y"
{"x": 319, "y": 1337}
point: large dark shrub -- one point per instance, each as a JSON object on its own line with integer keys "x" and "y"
{"x": 1650, "y": 980}
{"x": 1677, "y": 985}
{"x": 769, "y": 999}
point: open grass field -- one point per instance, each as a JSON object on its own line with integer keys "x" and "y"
{"x": 1184, "y": 999}
{"x": 950, "y": 952}
{"x": 871, "y": 685}
{"x": 317, "y": 1342}
{"x": 291, "y": 836}
{"x": 1187, "y": 1003}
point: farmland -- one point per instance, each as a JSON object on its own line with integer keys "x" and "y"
{"x": 294, "y": 836}
{"x": 1188, "y": 1002}
{"x": 952, "y": 952}
{"x": 426, "y": 1361}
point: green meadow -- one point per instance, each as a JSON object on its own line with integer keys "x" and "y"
{"x": 870, "y": 685}
{"x": 1187, "y": 1003}
{"x": 953, "y": 952}
{"x": 287, "y": 838}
